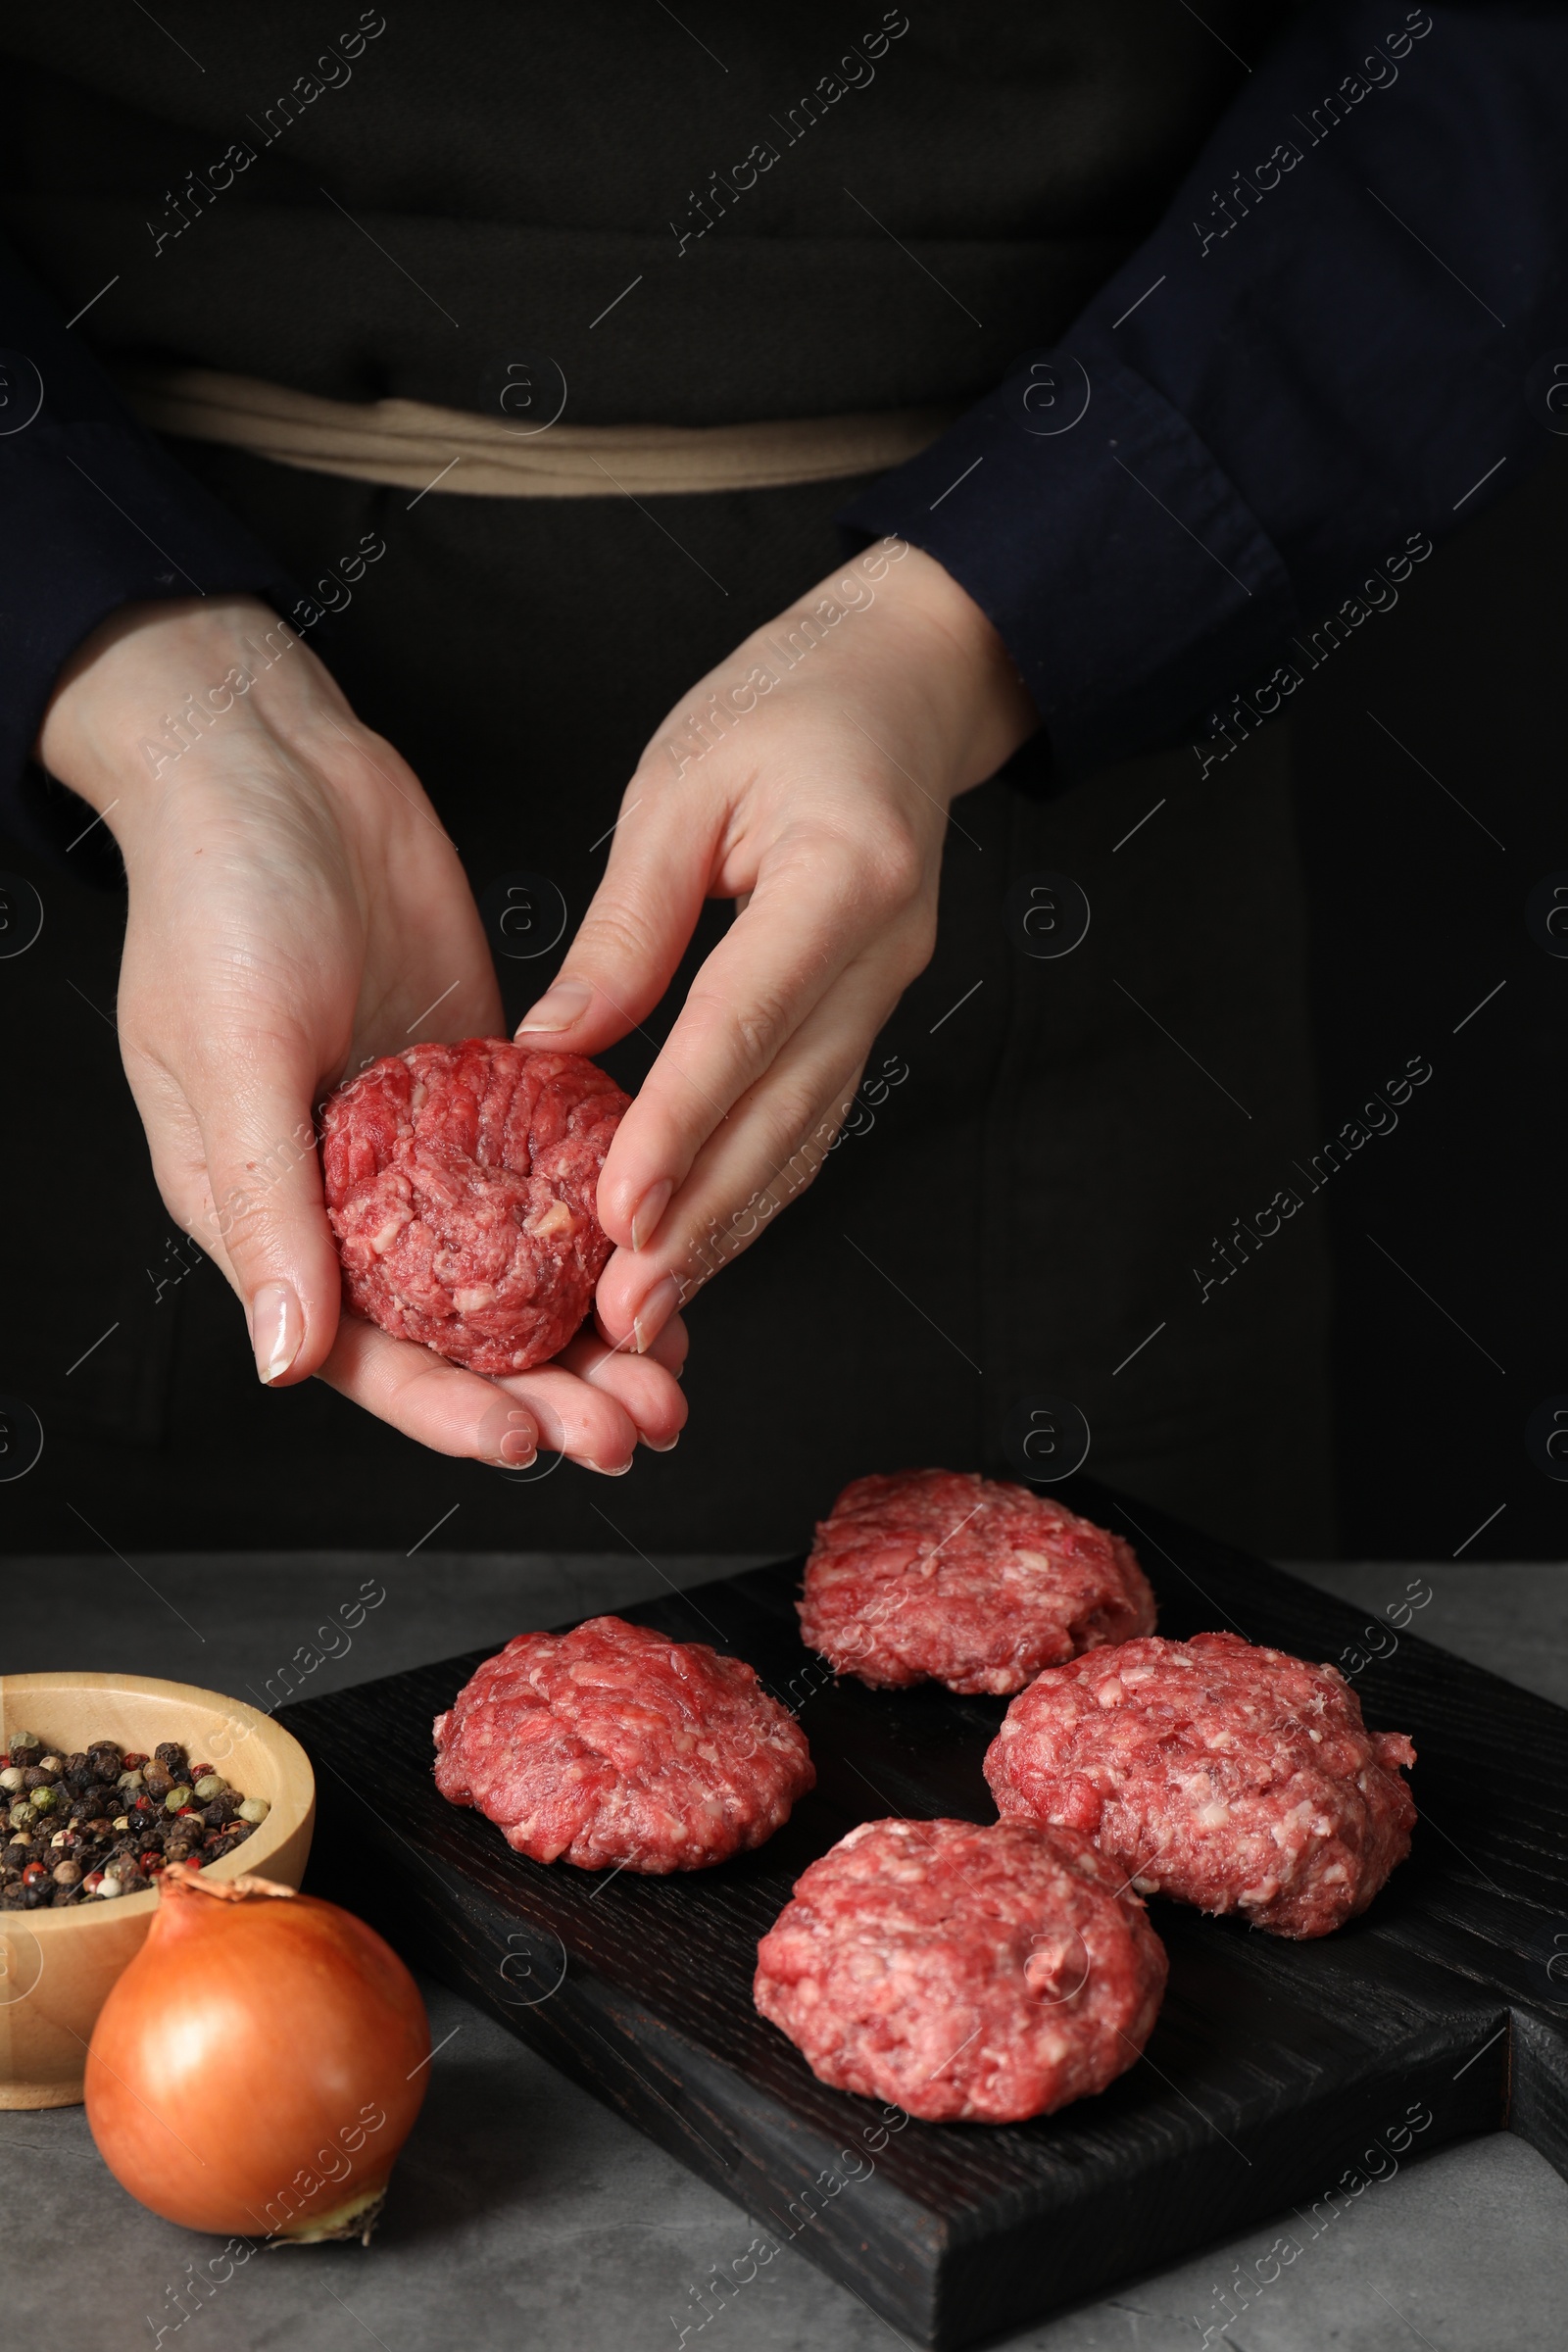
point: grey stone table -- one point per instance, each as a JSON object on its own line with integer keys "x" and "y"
{"x": 524, "y": 2215}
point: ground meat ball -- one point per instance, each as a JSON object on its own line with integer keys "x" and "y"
{"x": 1228, "y": 1776}
{"x": 966, "y": 1975}
{"x": 937, "y": 1575}
{"x": 461, "y": 1183}
{"x": 614, "y": 1746}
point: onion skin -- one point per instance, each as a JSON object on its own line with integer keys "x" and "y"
{"x": 249, "y": 2071}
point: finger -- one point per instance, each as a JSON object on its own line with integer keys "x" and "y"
{"x": 637, "y": 926}
{"x": 767, "y": 1152}
{"x": 576, "y": 1417}
{"x": 670, "y": 1346}
{"x": 179, "y": 1161}
{"x": 457, "y": 1412}
{"x": 263, "y": 1213}
{"x": 645, "y": 1388}
{"x": 809, "y": 918}
{"x": 669, "y": 1343}
{"x": 436, "y": 1403}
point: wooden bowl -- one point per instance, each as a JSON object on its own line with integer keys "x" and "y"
{"x": 56, "y": 1967}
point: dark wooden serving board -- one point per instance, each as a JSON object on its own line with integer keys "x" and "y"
{"x": 1272, "y": 2068}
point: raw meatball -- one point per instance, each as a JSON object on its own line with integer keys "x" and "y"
{"x": 461, "y": 1184}
{"x": 938, "y": 1574}
{"x": 616, "y": 1747}
{"x": 1231, "y": 1777}
{"x": 966, "y": 1975}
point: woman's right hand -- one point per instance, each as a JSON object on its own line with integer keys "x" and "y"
{"x": 296, "y": 910}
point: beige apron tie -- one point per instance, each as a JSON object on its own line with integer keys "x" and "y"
{"x": 411, "y": 445}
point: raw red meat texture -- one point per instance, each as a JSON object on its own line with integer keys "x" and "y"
{"x": 614, "y": 1746}
{"x": 1226, "y": 1775}
{"x": 461, "y": 1183}
{"x": 966, "y": 1975}
{"x": 942, "y": 1575}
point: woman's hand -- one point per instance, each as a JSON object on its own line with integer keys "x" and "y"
{"x": 296, "y": 910}
{"x": 809, "y": 779}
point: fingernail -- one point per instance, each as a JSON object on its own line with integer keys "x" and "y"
{"x": 667, "y": 1449}
{"x": 558, "y": 1007}
{"x": 648, "y": 1211}
{"x": 277, "y": 1327}
{"x": 655, "y": 1312}
{"x": 605, "y": 1471}
{"x": 519, "y": 1447}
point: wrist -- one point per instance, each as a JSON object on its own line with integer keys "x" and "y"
{"x": 893, "y": 633}
{"x": 153, "y": 683}
{"x": 980, "y": 708}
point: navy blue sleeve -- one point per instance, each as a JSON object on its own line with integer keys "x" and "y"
{"x": 94, "y": 514}
{"x": 1338, "y": 346}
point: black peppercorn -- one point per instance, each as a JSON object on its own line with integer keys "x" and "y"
{"x": 69, "y": 1842}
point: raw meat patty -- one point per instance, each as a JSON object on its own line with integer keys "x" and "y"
{"x": 938, "y": 1574}
{"x": 1231, "y": 1777}
{"x": 461, "y": 1184}
{"x": 966, "y": 1975}
{"x": 615, "y": 1746}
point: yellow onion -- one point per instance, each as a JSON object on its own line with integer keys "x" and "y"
{"x": 259, "y": 2064}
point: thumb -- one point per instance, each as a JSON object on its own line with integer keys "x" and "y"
{"x": 635, "y": 932}
{"x": 269, "y": 1219}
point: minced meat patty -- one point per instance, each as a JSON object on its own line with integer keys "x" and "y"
{"x": 1226, "y": 1775}
{"x": 943, "y": 1576}
{"x": 461, "y": 1184}
{"x": 966, "y": 1974}
{"x": 613, "y": 1747}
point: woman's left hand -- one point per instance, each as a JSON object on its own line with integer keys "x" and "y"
{"x": 816, "y": 797}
